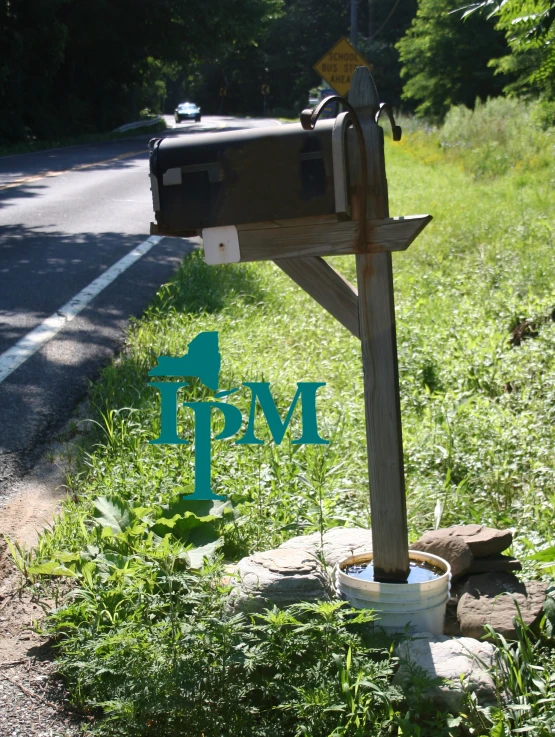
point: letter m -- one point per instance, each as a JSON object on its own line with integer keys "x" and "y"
{"x": 306, "y": 392}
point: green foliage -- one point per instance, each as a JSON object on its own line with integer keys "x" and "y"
{"x": 499, "y": 137}
{"x": 548, "y": 621}
{"x": 146, "y": 640}
{"x": 529, "y": 26}
{"x": 118, "y": 536}
{"x": 175, "y": 662}
{"x": 82, "y": 66}
{"x": 70, "y": 67}
{"x": 31, "y": 55}
{"x": 477, "y": 422}
{"x": 524, "y": 676}
{"x": 290, "y": 45}
{"x": 445, "y": 61}
{"x": 282, "y": 57}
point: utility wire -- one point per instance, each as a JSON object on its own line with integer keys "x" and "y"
{"x": 386, "y": 21}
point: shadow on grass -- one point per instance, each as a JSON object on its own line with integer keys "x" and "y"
{"x": 199, "y": 288}
{"x": 195, "y": 290}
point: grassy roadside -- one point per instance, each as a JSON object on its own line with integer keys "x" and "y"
{"x": 79, "y": 140}
{"x": 146, "y": 640}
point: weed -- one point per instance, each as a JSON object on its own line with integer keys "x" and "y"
{"x": 197, "y": 669}
{"x": 524, "y": 676}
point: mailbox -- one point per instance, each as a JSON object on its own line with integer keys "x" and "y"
{"x": 281, "y": 191}
{"x": 211, "y": 180}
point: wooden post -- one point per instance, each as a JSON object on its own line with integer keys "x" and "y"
{"x": 379, "y": 351}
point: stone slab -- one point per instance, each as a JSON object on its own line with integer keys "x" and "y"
{"x": 451, "y": 548}
{"x": 293, "y": 572}
{"x": 339, "y": 543}
{"x": 495, "y": 564}
{"x": 277, "y": 577}
{"x": 490, "y": 599}
{"x": 445, "y": 658}
{"x": 483, "y": 540}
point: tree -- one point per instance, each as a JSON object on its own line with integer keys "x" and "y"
{"x": 73, "y": 66}
{"x": 529, "y": 27}
{"x": 292, "y": 43}
{"x": 113, "y": 45}
{"x": 32, "y": 41}
{"x": 385, "y": 22}
{"x": 445, "y": 61}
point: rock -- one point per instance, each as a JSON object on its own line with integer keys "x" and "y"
{"x": 280, "y": 577}
{"x": 495, "y": 563}
{"x": 339, "y": 543}
{"x": 447, "y": 658}
{"x": 478, "y": 604}
{"x": 451, "y": 548}
{"x": 483, "y": 540}
{"x": 292, "y": 572}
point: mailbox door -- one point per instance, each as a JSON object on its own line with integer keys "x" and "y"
{"x": 213, "y": 179}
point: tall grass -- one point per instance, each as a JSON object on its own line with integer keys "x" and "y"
{"x": 500, "y": 136}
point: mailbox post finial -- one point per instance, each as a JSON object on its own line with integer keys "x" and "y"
{"x": 363, "y": 92}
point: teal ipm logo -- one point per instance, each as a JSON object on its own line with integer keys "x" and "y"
{"x": 203, "y": 360}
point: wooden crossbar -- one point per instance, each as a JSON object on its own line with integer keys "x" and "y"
{"x": 280, "y": 241}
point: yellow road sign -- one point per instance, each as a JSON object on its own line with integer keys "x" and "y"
{"x": 338, "y": 65}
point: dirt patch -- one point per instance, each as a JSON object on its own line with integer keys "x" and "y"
{"x": 6, "y": 567}
{"x": 33, "y": 699}
{"x": 18, "y": 612}
{"x": 29, "y": 512}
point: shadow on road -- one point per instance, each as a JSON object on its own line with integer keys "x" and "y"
{"x": 40, "y": 271}
{"x": 37, "y": 171}
{"x": 96, "y": 157}
{"x": 38, "y": 397}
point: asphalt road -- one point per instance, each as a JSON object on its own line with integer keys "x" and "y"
{"x": 66, "y": 217}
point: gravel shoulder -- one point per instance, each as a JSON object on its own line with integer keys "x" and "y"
{"x": 33, "y": 699}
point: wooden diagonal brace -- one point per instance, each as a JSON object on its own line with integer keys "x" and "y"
{"x": 326, "y": 286}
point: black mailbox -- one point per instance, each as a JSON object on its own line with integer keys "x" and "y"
{"x": 249, "y": 176}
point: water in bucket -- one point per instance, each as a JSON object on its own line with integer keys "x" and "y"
{"x": 419, "y": 571}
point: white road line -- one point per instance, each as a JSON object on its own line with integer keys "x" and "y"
{"x": 12, "y": 359}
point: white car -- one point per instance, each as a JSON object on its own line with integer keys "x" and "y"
{"x": 187, "y": 111}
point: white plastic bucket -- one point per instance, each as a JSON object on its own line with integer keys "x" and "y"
{"x": 421, "y": 606}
